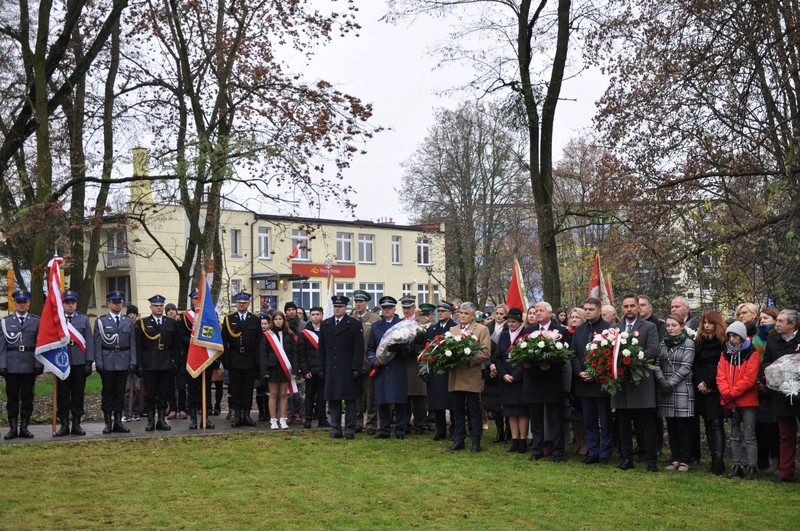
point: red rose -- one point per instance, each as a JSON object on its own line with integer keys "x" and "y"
{"x": 626, "y": 361}
{"x": 607, "y": 352}
{"x": 594, "y": 363}
{"x": 620, "y": 371}
{"x": 603, "y": 380}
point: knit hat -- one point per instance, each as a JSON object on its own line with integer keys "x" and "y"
{"x": 738, "y": 328}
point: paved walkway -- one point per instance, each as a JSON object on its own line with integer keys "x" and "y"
{"x": 94, "y": 430}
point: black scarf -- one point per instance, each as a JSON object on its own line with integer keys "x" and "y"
{"x": 676, "y": 340}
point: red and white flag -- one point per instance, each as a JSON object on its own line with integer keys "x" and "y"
{"x": 516, "y": 290}
{"x": 294, "y": 254}
{"x": 599, "y": 287}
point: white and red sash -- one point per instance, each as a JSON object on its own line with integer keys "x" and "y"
{"x": 312, "y": 337}
{"x": 277, "y": 348}
{"x": 189, "y": 315}
{"x": 77, "y": 337}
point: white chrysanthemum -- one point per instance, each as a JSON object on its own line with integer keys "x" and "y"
{"x": 641, "y": 355}
{"x": 623, "y": 341}
{"x": 467, "y": 351}
{"x": 566, "y": 345}
{"x": 448, "y": 334}
{"x": 626, "y": 353}
{"x": 473, "y": 336}
{"x": 524, "y": 344}
{"x": 535, "y": 334}
{"x": 559, "y": 345}
{"x": 540, "y": 344}
{"x": 634, "y": 341}
{"x": 448, "y": 353}
{"x": 604, "y": 343}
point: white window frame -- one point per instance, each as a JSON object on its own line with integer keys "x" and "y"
{"x": 300, "y": 237}
{"x": 407, "y": 289}
{"x": 396, "y": 246}
{"x": 422, "y": 293}
{"x": 346, "y": 289}
{"x": 310, "y": 296}
{"x": 375, "y": 289}
{"x": 236, "y": 287}
{"x": 236, "y": 242}
{"x": 424, "y": 252}
{"x": 366, "y": 248}
{"x": 344, "y": 247}
{"x": 264, "y": 244}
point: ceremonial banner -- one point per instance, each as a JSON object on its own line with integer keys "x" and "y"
{"x": 54, "y": 334}
{"x": 599, "y": 287}
{"x": 329, "y": 305}
{"x": 516, "y": 291}
{"x": 206, "y": 343}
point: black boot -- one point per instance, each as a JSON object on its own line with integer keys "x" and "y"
{"x": 523, "y": 446}
{"x": 23, "y": 428}
{"x": 717, "y": 438}
{"x": 246, "y": 420}
{"x": 736, "y": 472}
{"x": 76, "y": 425}
{"x": 261, "y": 402}
{"x": 514, "y": 446}
{"x": 12, "y": 430}
{"x": 209, "y": 424}
{"x": 752, "y": 473}
{"x": 161, "y": 423}
{"x": 151, "y": 421}
{"x": 193, "y": 419}
{"x": 108, "y": 428}
{"x": 64, "y": 429}
{"x": 118, "y": 426}
{"x": 237, "y": 418}
{"x": 717, "y": 466}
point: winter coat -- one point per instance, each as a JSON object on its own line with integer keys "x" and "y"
{"x": 269, "y": 363}
{"x": 776, "y": 348}
{"x": 391, "y": 380}
{"x": 704, "y": 370}
{"x": 737, "y": 375}
{"x": 467, "y": 377}
{"x": 340, "y": 354}
{"x": 438, "y": 395}
{"x": 674, "y": 377}
{"x": 642, "y": 395}
{"x": 582, "y": 336}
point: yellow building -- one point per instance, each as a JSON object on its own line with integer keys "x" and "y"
{"x": 380, "y": 257}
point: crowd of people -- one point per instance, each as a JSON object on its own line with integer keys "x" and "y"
{"x": 303, "y": 368}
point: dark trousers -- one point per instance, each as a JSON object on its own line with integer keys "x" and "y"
{"x": 113, "y": 396}
{"x": 418, "y": 407}
{"x": 196, "y": 390}
{"x": 552, "y": 414}
{"x": 465, "y": 403}
{"x": 315, "y": 401}
{"x": 218, "y": 385}
{"x": 180, "y": 380}
{"x": 136, "y": 405}
{"x": 70, "y": 392}
{"x": 767, "y": 439}
{"x": 385, "y": 418}
{"x": 19, "y": 392}
{"x": 643, "y": 420}
{"x": 681, "y": 432}
{"x": 787, "y": 433}
{"x": 335, "y": 407}
{"x": 240, "y": 387}
{"x": 694, "y": 435}
{"x": 366, "y": 404}
{"x": 157, "y": 389}
{"x": 597, "y": 423}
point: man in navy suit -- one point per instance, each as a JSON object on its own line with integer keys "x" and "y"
{"x": 340, "y": 355}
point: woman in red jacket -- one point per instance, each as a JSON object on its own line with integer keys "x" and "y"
{"x": 737, "y": 373}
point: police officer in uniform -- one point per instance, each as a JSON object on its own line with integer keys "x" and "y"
{"x": 366, "y": 404}
{"x": 195, "y": 384}
{"x": 18, "y": 364}
{"x": 156, "y": 344}
{"x": 115, "y": 358}
{"x": 70, "y": 392}
{"x": 242, "y": 336}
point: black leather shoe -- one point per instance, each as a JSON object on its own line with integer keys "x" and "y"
{"x": 535, "y": 457}
{"x": 455, "y": 447}
{"x": 777, "y": 478}
{"x": 736, "y": 472}
{"x": 349, "y": 436}
{"x": 604, "y": 460}
{"x": 439, "y": 436}
{"x": 76, "y": 426}
{"x": 382, "y": 436}
{"x": 558, "y": 458}
{"x": 626, "y": 464}
{"x": 652, "y": 466}
{"x": 371, "y": 431}
{"x": 336, "y": 435}
{"x": 591, "y": 460}
{"x": 400, "y": 436}
{"x": 475, "y": 448}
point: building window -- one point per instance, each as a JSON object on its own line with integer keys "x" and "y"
{"x": 300, "y": 239}
{"x": 344, "y": 247}
{"x": 236, "y": 242}
{"x": 344, "y": 288}
{"x": 375, "y": 289}
{"x": 263, "y": 243}
{"x": 366, "y": 243}
{"x": 396, "y": 250}
{"x": 117, "y": 243}
{"x": 422, "y": 294}
{"x": 305, "y": 294}
{"x": 236, "y": 287}
{"x": 406, "y": 289}
{"x": 266, "y": 284}
{"x": 424, "y": 252}
{"x": 122, "y": 284}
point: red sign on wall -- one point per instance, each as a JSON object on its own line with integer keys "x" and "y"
{"x": 321, "y": 270}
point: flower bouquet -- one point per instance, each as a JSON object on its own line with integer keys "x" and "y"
{"x": 401, "y": 333}
{"x": 447, "y": 351}
{"x": 784, "y": 375}
{"x": 539, "y": 348}
{"x": 612, "y": 346}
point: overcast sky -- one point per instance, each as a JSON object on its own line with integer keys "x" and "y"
{"x": 391, "y": 67}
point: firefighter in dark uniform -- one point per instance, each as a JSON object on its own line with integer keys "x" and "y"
{"x": 242, "y": 336}
{"x": 185, "y": 326}
{"x": 115, "y": 359}
{"x": 18, "y": 364}
{"x": 70, "y": 393}
{"x": 156, "y": 346}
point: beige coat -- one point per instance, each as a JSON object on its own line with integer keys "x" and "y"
{"x": 468, "y": 377}
{"x": 366, "y": 321}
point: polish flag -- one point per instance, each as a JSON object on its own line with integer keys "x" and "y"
{"x": 516, "y": 290}
{"x": 294, "y": 254}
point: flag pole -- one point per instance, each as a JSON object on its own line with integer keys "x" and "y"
{"x": 203, "y": 394}
{"x": 55, "y": 400}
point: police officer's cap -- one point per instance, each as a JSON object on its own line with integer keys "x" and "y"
{"x": 21, "y": 295}
{"x": 241, "y": 296}
{"x": 70, "y": 295}
{"x": 444, "y": 306}
{"x": 340, "y": 300}
{"x": 194, "y": 293}
{"x": 387, "y": 301}
{"x": 157, "y": 299}
{"x": 361, "y": 295}
{"x": 115, "y": 296}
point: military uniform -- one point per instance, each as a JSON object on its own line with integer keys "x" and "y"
{"x": 156, "y": 346}
{"x": 366, "y": 403}
{"x": 70, "y": 392}
{"x": 19, "y": 366}
{"x": 115, "y": 358}
{"x": 242, "y": 338}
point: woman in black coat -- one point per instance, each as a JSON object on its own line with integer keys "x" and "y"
{"x": 709, "y": 345}
{"x": 277, "y": 370}
{"x": 511, "y": 381}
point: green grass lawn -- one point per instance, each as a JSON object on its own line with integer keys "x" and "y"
{"x": 303, "y": 479}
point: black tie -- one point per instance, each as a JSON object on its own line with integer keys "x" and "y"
{"x": 69, "y": 318}
{"x": 21, "y": 320}
{"x": 542, "y": 328}
{"x": 116, "y": 318}
{"x": 337, "y": 322}
{"x": 158, "y": 322}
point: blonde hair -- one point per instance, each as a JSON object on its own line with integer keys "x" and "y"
{"x": 749, "y": 306}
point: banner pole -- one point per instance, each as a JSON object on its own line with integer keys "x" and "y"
{"x": 203, "y": 397}
{"x": 55, "y": 400}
